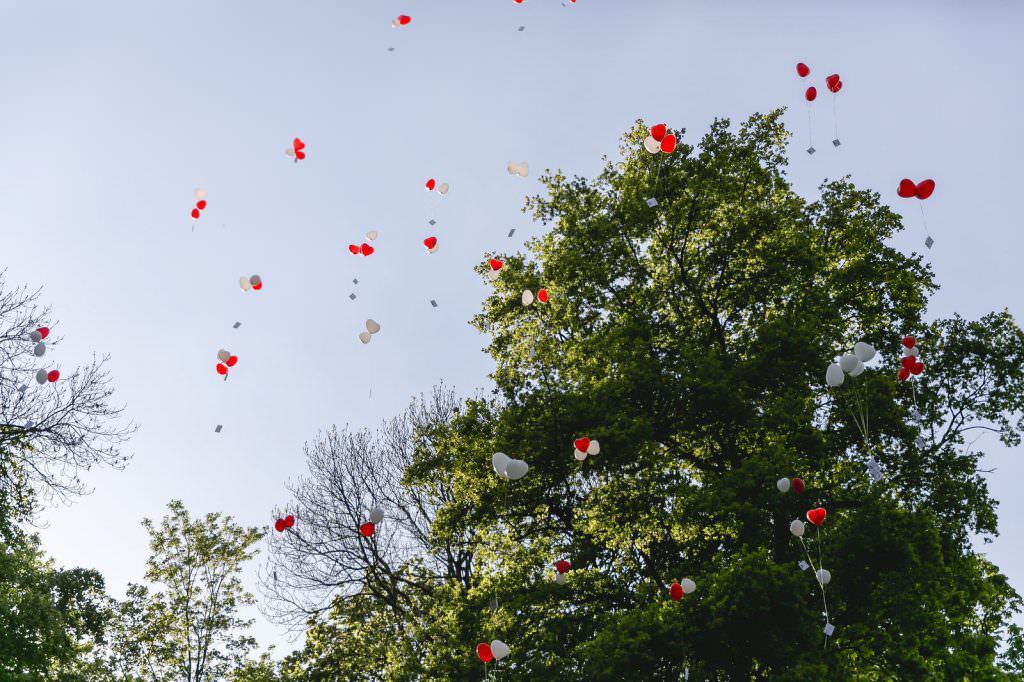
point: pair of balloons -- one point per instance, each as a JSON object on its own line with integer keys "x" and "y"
{"x": 684, "y": 586}
{"x": 528, "y": 297}
{"x": 786, "y": 484}
{"x": 908, "y": 189}
{"x": 508, "y": 468}
{"x": 561, "y": 568}
{"x": 850, "y": 363}
{"x": 296, "y": 150}
{"x": 659, "y": 140}
{"x": 522, "y": 169}
{"x": 431, "y": 185}
{"x": 370, "y": 527}
{"x": 371, "y": 328}
{"x": 431, "y": 244}
{"x": 39, "y": 350}
{"x": 254, "y": 282}
{"x": 363, "y": 249}
{"x": 496, "y": 266}
{"x": 401, "y": 20}
{"x": 43, "y": 376}
{"x": 585, "y": 446}
{"x": 495, "y": 651}
{"x": 281, "y": 524}
{"x": 226, "y": 360}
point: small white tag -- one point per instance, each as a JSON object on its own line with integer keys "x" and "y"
{"x": 803, "y": 565}
{"x": 652, "y": 202}
{"x": 829, "y": 629}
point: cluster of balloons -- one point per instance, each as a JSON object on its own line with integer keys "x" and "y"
{"x": 401, "y": 20}
{"x": 522, "y": 169}
{"x": 431, "y": 185}
{"x": 495, "y": 651}
{"x": 38, "y": 336}
{"x": 850, "y": 363}
{"x": 786, "y": 484}
{"x": 833, "y": 82}
{"x": 42, "y": 376}
{"x": 585, "y": 446}
{"x": 496, "y": 266}
{"x": 371, "y": 329}
{"x": 908, "y": 189}
{"x": 659, "y": 140}
{"x": 528, "y": 297}
{"x": 253, "y": 282}
{"x": 910, "y": 364}
{"x": 200, "y": 195}
{"x": 296, "y": 150}
{"x": 508, "y": 468}
{"x": 561, "y": 568}
{"x": 370, "y": 527}
{"x": 431, "y": 244}
{"x": 684, "y": 586}
{"x": 281, "y": 524}
{"x": 225, "y": 360}
{"x": 363, "y": 249}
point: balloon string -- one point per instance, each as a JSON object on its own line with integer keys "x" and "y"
{"x": 835, "y": 115}
{"x": 924, "y": 220}
{"x": 810, "y": 127}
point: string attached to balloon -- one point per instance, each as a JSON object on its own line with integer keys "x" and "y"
{"x": 816, "y": 517}
{"x": 908, "y": 189}
{"x": 834, "y": 85}
{"x": 810, "y": 94}
{"x": 853, "y": 364}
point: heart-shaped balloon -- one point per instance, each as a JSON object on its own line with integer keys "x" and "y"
{"x": 372, "y": 326}
{"x": 443, "y": 188}
{"x": 908, "y": 361}
{"x": 924, "y": 189}
{"x": 516, "y": 469}
{"x": 903, "y": 374}
{"x": 289, "y": 521}
{"x": 499, "y": 649}
{"x": 365, "y": 249}
{"x": 668, "y": 145}
{"x": 430, "y": 242}
{"x": 675, "y": 591}
{"x": 817, "y": 516}
{"x": 542, "y": 295}
{"x": 909, "y": 341}
{"x": 833, "y": 83}
{"x": 403, "y": 19}
{"x": 54, "y": 375}
{"x": 376, "y": 515}
{"x": 484, "y": 652}
{"x": 364, "y": 337}
{"x": 298, "y": 145}
{"x": 231, "y": 361}
{"x": 803, "y": 70}
{"x": 917, "y": 367}
{"x": 562, "y": 566}
{"x": 496, "y": 264}
{"x": 195, "y": 214}
{"x": 279, "y": 525}
{"x": 43, "y": 332}
{"x": 367, "y": 529}
{"x": 658, "y": 131}
{"x": 797, "y": 485}
{"x": 222, "y": 369}
{"x": 431, "y": 184}
{"x": 811, "y": 94}
{"x": 907, "y": 188}
{"x": 582, "y": 444}
{"x": 201, "y": 204}
{"x": 371, "y": 235}
{"x": 353, "y": 249}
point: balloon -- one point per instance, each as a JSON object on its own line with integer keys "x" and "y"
{"x": 924, "y": 189}
{"x": 582, "y": 444}
{"x": 797, "y": 528}
{"x": 907, "y": 188}
{"x": 817, "y": 516}
{"x": 917, "y": 368}
{"x": 376, "y": 515}
{"x": 199, "y": 193}
{"x": 848, "y": 362}
{"x": 201, "y": 205}
{"x": 858, "y": 370}
{"x": 484, "y": 652}
{"x": 54, "y": 375}
{"x": 833, "y": 83}
{"x": 367, "y": 529}
{"x": 783, "y": 485}
{"x": 907, "y": 361}
{"x": 443, "y": 188}
{"x": 244, "y": 283}
{"x": 798, "y": 485}
{"x": 222, "y": 369}
{"x": 594, "y": 449}
{"x": 289, "y": 521}
{"x": 39, "y": 350}
{"x": 43, "y": 332}
{"x": 279, "y": 525}
{"x": 496, "y": 264}
{"x": 542, "y": 295}
{"x": 580, "y": 456}
{"x": 35, "y": 336}
{"x": 371, "y": 235}
{"x": 255, "y": 280}
{"x": 195, "y": 214}
{"x": 431, "y": 184}
{"x": 430, "y": 243}
{"x": 365, "y": 249}
{"x": 364, "y": 337}
{"x": 223, "y": 355}
{"x": 823, "y": 576}
{"x": 811, "y": 94}
{"x": 401, "y": 20}
{"x": 232, "y": 361}
{"x": 675, "y": 591}
{"x": 516, "y": 469}
{"x": 353, "y": 249}
{"x": 834, "y": 375}
{"x": 499, "y": 460}
{"x": 372, "y": 327}
{"x": 803, "y": 70}
{"x": 652, "y": 145}
{"x": 909, "y": 342}
{"x": 658, "y": 132}
{"x": 668, "y": 145}
{"x": 297, "y": 147}
{"x": 499, "y": 649}
{"x": 41, "y": 376}
{"x": 903, "y": 374}
{"x": 914, "y": 352}
{"x": 527, "y": 297}
{"x": 560, "y": 578}
{"x": 562, "y": 566}
{"x": 688, "y": 586}
{"x": 864, "y": 351}
{"x": 524, "y": 169}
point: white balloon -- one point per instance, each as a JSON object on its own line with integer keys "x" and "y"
{"x": 372, "y": 327}
{"x": 797, "y": 528}
{"x": 200, "y": 194}
{"x": 516, "y": 469}
{"x": 35, "y": 335}
{"x": 858, "y": 370}
{"x": 823, "y": 576}
{"x": 364, "y": 337}
{"x": 559, "y": 578}
{"x": 527, "y": 297}
{"x": 524, "y": 169}
{"x": 223, "y": 355}
{"x": 376, "y": 515}
{"x": 834, "y": 375}
{"x": 499, "y": 649}
{"x": 848, "y": 362}
{"x": 39, "y": 350}
{"x": 290, "y": 151}
{"x": 493, "y": 274}
{"x": 914, "y": 352}
{"x": 594, "y": 449}
{"x": 371, "y": 235}
{"x": 443, "y": 188}
{"x": 244, "y": 283}
{"x": 864, "y": 351}
{"x": 512, "y": 168}
{"x": 783, "y": 485}
{"x": 41, "y": 376}
{"x": 688, "y": 585}
{"x": 499, "y": 460}
{"x": 652, "y": 145}
{"x": 579, "y": 455}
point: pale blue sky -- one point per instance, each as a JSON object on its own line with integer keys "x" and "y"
{"x": 111, "y": 113}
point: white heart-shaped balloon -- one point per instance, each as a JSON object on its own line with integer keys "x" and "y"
{"x": 372, "y": 327}
{"x": 376, "y": 515}
{"x": 499, "y": 649}
{"x": 499, "y": 460}
{"x": 594, "y": 449}
{"x": 371, "y": 235}
{"x": 834, "y": 375}
{"x": 516, "y": 469}
{"x": 364, "y": 337}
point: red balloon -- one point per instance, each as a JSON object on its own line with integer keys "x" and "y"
{"x": 496, "y": 264}
{"x": 484, "y": 652}
{"x": 917, "y": 368}
{"x": 43, "y": 332}
{"x": 924, "y": 189}
{"x": 833, "y": 83}
{"x": 353, "y": 249}
{"x": 54, "y": 375}
{"x": 231, "y": 361}
{"x": 908, "y": 361}
{"x": 298, "y": 145}
{"x": 367, "y": 529}
{"x": 431, "y": 184}
{"x": 909, "y": 341}
{"x": 195, "y": 214}
{"x": 811, "y": 94}
{"x": 676, "y": 591}
{"x": 289, "y": 521}
{"x": 222, "y": 368}
{"x": 562, "y": 566}
{"x": 658, "y": 131}
{"x": 201, "y": 204}
{"x": 300, "y": 155}
{"x": 542, "y": 295}
{"x": 907, "y": 188}
{"x": 279, "y": 525}
{"x": 817, "y": 516}
{"x": 430, "y": 242}
{"x": 904, "y": 374}
{"x": 365, "y": 249}
{"x": 258, "y": 285}
{"x": 803, "y": 70}
{"x": 797, "y": 485}
{"x": 582, "y": 444}
{"x": 404, "y": 19}
{"x": 668, "y": 145}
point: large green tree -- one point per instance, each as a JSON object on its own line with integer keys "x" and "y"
{"x": 691, "y": 338}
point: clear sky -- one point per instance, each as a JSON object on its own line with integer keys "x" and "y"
{"x": 111, "y": 113}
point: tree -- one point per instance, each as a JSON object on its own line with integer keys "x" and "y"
{"x": 691, "y": 338}
{"x": 189, "y": 627}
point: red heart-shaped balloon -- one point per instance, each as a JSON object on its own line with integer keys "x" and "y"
{"x": 54, "y": 375}
{"x": 222, "y": 368}
{"x": 430, "y": 242}
{"x": 562, "y": 566}
{"x": 289, "y": 521}
{"x": 496, "y": 264}
{"x": 542, "y": 295}
{"x": 909, "y": 341}
{"x": 797, "y": 485}
{"x": 917, "y": 368}
{"x": 279, "y": 525}
{"x": 907, "y": 188}
{"x": 431, "y": 184}
{"x": 817, "y": 516}
{"x": 483, "y": 650}
{"x": 924, "y": 189}
{"x": 201, "y": 204}
{"x": 258, "y": 286}
{"x": 582, "y": 444}
{"x": 903, "y": 374}
{"x": 365, "y": 249}
{"x": 195, "y": 214}
{"x": 300, "y": 155}
{"x": 353, "y": 249}
{"x": 908, "y": 361}
{"x": 832, "y": 81}
{"x": 404, "y": 19}
{"x": 803, "y": 70}
{"x": 231, "y": 361}
{"x": 298, "y": 144}
{"x": 668, "y": 145}
{"x": 658, "y": 131}
{"x": 675, "y": 591}
{"x": 367, "y": 529}
{"x": 811, "y": 94}
{"x": 838, "y": 86}
{"x": 43, "y": 332}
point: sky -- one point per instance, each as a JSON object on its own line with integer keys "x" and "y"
{"x": 112, "y": 113}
